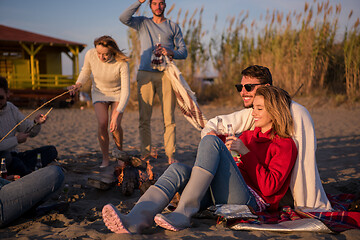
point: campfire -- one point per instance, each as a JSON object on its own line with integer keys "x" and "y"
{"x": 136, "y": 173}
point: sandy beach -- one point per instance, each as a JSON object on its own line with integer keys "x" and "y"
{"x": 73, "y": 132}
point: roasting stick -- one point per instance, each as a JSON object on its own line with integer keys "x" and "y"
{"x": 34, "y": 112}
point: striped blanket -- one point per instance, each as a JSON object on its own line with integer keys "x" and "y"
{"x": 185, "y": 97}
{"x": 289, "y": 219}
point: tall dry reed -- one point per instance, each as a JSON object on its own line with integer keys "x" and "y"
{"x": 300, "y": 48}
{"x": 352, "y": 61}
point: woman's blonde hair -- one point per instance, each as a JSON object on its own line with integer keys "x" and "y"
{"x": 277, "y": 103}
{"x": 110, "y": 43}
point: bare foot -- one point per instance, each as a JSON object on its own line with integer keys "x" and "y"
{"x": 104, "y": 164}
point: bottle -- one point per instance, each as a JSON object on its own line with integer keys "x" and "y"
{"x": 230, "y": 130}
{"x": 38, "y": 162}
{"x": 220, "y": 129}
{"x": 230, "y": 133}
{"x": 3, "y": 170}
{"x": 157, "y": 59}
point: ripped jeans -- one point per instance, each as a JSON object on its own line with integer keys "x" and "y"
{"x": 227, "y": 187}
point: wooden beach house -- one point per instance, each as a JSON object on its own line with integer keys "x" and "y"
{"x": 32, "y": 65}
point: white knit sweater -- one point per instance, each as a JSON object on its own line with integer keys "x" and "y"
{"x": 111, "y": 80}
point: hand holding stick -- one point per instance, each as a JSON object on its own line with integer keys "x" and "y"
{"x": 41, "y": 116}
{"x": 33, "y": 113}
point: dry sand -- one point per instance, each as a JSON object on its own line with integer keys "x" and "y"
{"x": 73, "y": 132}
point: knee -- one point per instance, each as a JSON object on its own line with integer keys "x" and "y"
{"x": 56, "y": 175}
{"x": 144, "y": 119}
{"x": 103, "y": 125}
{"x": 53, "y": 152}
{"x": 174, "y": 179}
{"x": 209, "y": 140}
{"x": 179, "y": 169}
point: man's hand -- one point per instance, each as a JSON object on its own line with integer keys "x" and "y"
{"x": 167, "y": 52}
{"x": 142, "y": 1}
{"x": 12, "y": 177}
{"x": 212, "y": 132}
{"x": 22, "y": 137}
{"x": 40, "y": 119}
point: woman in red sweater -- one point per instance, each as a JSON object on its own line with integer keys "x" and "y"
{"x": 260, "y": 180}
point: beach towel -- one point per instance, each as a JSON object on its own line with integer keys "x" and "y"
{"x": 290, "y": 220}
{"x": 185, "y": 97}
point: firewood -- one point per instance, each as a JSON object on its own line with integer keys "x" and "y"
{"x": 130, "y": 180}
{"x": 136, "y": 174}
{"x": 100, "y": 182}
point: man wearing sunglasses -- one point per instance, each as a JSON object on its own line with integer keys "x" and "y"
{"x": 305, "y": 185}
{"x": 20, "y": 163}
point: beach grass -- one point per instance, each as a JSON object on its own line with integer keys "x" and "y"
{"x": 302, "y": 48}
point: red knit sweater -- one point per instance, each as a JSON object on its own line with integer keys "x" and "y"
{"x": 267, "y": 167}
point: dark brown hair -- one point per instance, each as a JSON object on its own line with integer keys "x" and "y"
{"x": 4, "y": 84}
{"x": 258, "y": 72}
{"x": 150, "y": 1}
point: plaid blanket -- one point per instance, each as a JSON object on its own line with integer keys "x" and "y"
{"x": 185, "y": 97}
{"x": 337, "y": 221}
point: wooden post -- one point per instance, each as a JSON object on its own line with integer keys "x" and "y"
{"x": 75, "y": 59}
{"x": 32, "y": 53}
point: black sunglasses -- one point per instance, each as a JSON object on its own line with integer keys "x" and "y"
{"x": 248, "y": 87}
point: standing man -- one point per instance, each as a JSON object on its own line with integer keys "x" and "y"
{"x": 152, "y": 31}
{"x": 305, "y": 184}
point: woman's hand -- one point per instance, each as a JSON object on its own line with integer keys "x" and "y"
{"x": 115, "y": 122}
{"x": 235, "y": 144}
{"x": 74, "y": 88}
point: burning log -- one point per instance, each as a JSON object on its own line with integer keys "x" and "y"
{"x": 135, "y": 174}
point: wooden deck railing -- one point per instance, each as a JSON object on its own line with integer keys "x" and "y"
{"x": 42, "y": 81}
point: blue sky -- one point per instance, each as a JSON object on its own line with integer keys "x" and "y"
{"x": 84, "y": 20}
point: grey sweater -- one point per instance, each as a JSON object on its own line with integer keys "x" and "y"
{"x": 9, "y": 117}
{"x": 149, "y": 31}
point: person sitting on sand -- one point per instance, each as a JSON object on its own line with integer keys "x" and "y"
{"x": 110, "y": 87}
{"x": 27, "y": 193}
{"x": 306, "y": 188}
{"x": 268, "y": 154}
{"x": 20, "y": 163}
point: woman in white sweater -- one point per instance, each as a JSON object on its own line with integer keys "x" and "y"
{"x": 110, "y": 88}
